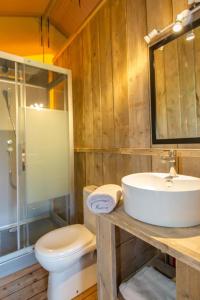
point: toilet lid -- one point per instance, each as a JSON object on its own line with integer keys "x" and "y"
{"x": 64, "y": 241}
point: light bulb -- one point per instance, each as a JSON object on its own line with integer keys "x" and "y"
{"x": 178, "y": 26}
{"x": 190, "y": 36}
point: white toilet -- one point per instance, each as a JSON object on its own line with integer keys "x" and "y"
{"x": 68, "y": 253}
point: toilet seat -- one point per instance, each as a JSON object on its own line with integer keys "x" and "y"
{"x": 64, "y": 242}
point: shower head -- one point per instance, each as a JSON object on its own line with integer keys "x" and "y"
{"x": 5, "y": 95}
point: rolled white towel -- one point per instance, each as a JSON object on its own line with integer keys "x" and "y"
{"x": 104, "y": 199}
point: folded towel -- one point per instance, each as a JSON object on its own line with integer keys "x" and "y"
{"x": 148, "y": 284}
{"x": 104, "y": 199}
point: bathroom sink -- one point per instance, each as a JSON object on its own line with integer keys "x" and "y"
{"x": 154, "y": 199}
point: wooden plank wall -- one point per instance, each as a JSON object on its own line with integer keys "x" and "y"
{"x": 109, "y": 62}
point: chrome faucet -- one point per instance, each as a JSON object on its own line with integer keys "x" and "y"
{"x": 170, "y": 158}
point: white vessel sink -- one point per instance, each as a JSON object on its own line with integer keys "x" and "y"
{"x": 150, "y": 198}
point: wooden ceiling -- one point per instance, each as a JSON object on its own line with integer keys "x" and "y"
{"x": 66, "y": 15}
{"x": 21, "y": 30}
{"x": 24, "y": 8}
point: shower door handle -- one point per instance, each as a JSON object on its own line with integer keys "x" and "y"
{"x": 23, "y": 160}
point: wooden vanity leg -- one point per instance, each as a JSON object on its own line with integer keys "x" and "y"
{"x": 106, "y": 260}
{"x": 187, "y": 282}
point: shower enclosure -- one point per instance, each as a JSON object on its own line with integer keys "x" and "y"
{"x": 36, "y": 154}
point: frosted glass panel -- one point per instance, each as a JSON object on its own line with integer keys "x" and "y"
{"x": 46, "y": 154}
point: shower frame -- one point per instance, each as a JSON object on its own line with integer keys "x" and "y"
{"x": 68, "y": 99}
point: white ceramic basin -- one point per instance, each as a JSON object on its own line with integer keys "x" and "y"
{"x": 148, "y": 197}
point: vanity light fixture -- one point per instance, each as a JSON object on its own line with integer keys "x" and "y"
{"x": 151, "y": 35}
{"x": 178, "y": 26}
{"x": 190, "y": 36}
{"x": 193, "y": 2}
{"x": 182, "y": 19}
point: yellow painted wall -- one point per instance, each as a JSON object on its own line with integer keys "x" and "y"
{"x": 22, "y": 36}
{"x": 47, "y": 59}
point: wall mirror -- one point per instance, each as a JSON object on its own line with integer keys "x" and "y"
{"x": 175, "y": 87}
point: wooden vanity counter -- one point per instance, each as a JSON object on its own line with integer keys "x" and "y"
{"x": 181, "y": 243}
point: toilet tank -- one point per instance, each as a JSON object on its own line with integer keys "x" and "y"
{"x": 89, "y": 217}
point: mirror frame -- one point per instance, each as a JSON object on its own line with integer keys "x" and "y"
{"x": 164, "y": 41}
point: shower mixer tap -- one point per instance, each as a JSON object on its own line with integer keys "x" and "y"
{"x": 9, "y": 142}
{"x": 10, "y": 148}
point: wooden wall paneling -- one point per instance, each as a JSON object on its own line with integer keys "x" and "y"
{"x": 119, "y": 62}
{"x": 137, "y": 75}
{"x": 142, "y": 164}
{"x": 197, "y": 75}
{"x": 79, "y": 183}
{"x": 96, "y": 86}
{"x": 159, "y": 13}
{"x": 106, "y": 82}
{"x": 128, "y": 164}
{"x": 109, "y": 65}
{"x": 187, "y": 87}
{"x": 109, "y": 168}
{"x": 75, "y": 63}
{"x": 125, "y": 165}
{"x": 187, "y": 282}
{"x": 106, "y": 76}
{"x": 94, "y": 166}
{"x": 189, "y": 165}
{"x": 159, "y": 166}
{"x": 87, "y": 87}
{"x": 94, "y": 169}
{"x": 88, "y": 101}
{"x": 131, "y": 255}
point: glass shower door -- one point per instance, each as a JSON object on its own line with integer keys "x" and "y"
{"x": 35, "y": 184}
{"x": 8, "y": 166}
{"x": 46, "y": 195}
